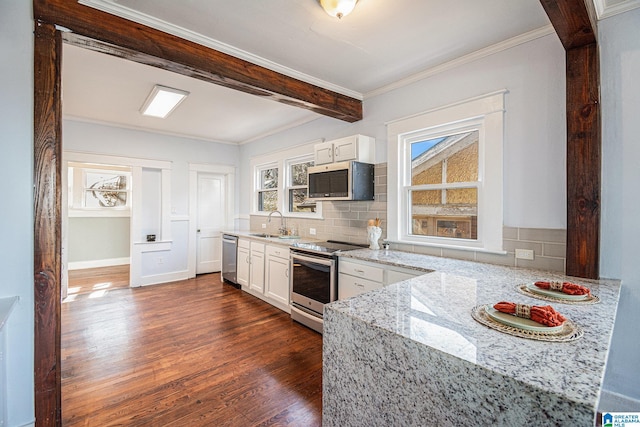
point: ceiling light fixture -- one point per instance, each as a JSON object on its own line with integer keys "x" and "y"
{"x": 162, "y": 101}
{"x": 338, "y": 8}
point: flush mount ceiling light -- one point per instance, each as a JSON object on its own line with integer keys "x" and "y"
{"x": 162, "y": 101}
{"x": 338, "y": 8}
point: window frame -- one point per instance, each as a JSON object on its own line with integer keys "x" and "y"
{"x": 78, "y": 189}
{"x": 486, "y": 114}
{"x": 258, "y": 184}
{"x": 288, "y": 184}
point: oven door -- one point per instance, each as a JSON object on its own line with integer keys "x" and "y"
{"x": 313, "y": 282}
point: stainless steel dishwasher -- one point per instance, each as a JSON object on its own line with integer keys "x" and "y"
{"x": 229, "y": 258}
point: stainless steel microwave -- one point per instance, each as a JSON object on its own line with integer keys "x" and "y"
{"x": 341, "y": 181}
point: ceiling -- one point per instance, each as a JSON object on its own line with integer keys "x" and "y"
{"x": 377, "y": 47}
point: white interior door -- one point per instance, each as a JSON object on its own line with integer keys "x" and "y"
{"x": 211, "y": 220}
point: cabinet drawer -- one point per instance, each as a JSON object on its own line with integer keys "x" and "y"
{"x": 257, "y": 247}
{"x": 349, "y": 286}
{"x": 244, "y": 243}
{"x": 362, "y": 270}
{"x": 278, "y": 251}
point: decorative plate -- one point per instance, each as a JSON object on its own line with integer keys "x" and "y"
{"x": 569, "y": 331}
{"x": 520, "y": 322}
{"x": 556, "y": 296}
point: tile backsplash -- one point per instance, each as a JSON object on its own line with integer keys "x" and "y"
{"x": 347, "y": 221}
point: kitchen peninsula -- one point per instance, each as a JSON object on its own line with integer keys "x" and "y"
{"x": 411, "y": 353}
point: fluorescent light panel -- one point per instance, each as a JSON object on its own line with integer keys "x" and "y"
{"x": 162, "y": 101}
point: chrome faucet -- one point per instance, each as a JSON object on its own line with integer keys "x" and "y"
{"x": 283, "y": 226}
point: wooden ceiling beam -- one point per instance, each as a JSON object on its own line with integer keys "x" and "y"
{"x": 103, "y": 32}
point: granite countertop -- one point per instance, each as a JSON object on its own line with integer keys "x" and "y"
{"x": 435, "y": 310}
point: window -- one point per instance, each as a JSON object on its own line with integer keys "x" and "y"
{"x": 297, "y": 187}
{"x": 447, "y": 167}
{"x": 94, "y": 190}
{"x": 444, "y": 186}
{"x": 280, "y": 183}
{"x": 268, "y": 188}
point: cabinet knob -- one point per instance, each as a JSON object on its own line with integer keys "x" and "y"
{"x": 359, "y": 271}
{"x": 286, "y": 273}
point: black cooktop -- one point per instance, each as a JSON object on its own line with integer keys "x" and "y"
{"x": 328, "y": 247}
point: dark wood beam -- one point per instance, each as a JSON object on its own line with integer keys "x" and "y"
{"x": 570, "y": 18}
{"x": 110, "y": 34}
{"x": 47, "y": 117}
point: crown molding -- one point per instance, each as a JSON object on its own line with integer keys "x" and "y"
{"x": 605, "y": 10}
{"x": 474, "y": 56}
{"x": 109, "y": 6}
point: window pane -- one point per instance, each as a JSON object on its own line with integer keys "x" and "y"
{"x": 298, "y": 201}
{"x": 453, "y": 158}
{"x": 105, "y": 199}
{"x": 269, "y": 178}
{"x": 445, "y": 213}
{"x": 299, "y": 173}
{"x": 268, "y": 200}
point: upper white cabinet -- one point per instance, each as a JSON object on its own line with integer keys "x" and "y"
{"x": 356, "y": 147}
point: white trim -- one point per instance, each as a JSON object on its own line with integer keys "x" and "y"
{"x": 466, "y": 59}
{"x": 484, "y": 113}
{"x": 113, "y": 8}
{"x": 603, "y": 10}
{"x": 157, "y": 279}
{"x": 79, "y": 265}
{"x": 106, "y": 159}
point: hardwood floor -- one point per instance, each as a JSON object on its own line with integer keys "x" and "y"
{"x": 190, "y": 353}
{"x": 98, "y": 280}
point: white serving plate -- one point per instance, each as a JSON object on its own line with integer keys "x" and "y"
{"x": 520, "y": 322}
{"x": 556, "y": 294}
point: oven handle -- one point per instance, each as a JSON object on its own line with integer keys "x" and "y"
{"x": 317, "y": 260}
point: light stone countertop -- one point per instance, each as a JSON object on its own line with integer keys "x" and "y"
{"x": 254, "y": 235}
{"x": 434, "y": 310}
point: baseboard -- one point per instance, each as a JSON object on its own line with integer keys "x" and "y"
{"x": 615, "y": 402}
{"x": 156, "y": 279}
{"x": 110, "y": 262}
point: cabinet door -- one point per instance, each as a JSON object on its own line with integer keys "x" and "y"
{"x": 323, "y": 153}
{"x": 243, "y": 266}
{"x": 256, "y": 276}
{"x": 345, "y": 149}
{"x": 278, "y": 279}
{"x": 350, "y": 286}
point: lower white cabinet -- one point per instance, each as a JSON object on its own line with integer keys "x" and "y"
{"x": 256, "y": 267}
{"x": 277, "y": 275}
{"x": 357, "y": 277}
{"x": 243, "y": 262}
{"x": 263, "y": 271}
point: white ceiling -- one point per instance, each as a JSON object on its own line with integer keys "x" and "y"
{"x": 380, "y": 44}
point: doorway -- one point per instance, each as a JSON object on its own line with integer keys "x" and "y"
{"x": 211, "y": 207}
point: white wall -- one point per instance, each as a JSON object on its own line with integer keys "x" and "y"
{"x": 535, "y": 143}
{"x": 102, "y": 139}
{"x": 16, "y": 224}
{"x": 620, "y": 92}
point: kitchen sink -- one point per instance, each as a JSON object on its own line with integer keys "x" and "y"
{"x": 272, "y": 236}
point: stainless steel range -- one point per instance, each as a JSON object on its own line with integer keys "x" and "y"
{"x": 314, "y": 279}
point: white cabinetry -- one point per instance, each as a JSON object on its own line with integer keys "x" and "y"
{"x": 277, "y": 276}
{"x": 263, "y": 271}
{"x": 243, "y": 262}
{"x": 256, "y": 267}
{"x": 356, "y": 147}
{"x": 356, "y": 277}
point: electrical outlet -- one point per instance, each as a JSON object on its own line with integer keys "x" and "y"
{"x": 524, "y": 254}
{"x": 312, "y": 231}
{"x": 264, "y": 225}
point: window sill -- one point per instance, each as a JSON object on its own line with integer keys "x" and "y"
{"x": 448, "y": 246}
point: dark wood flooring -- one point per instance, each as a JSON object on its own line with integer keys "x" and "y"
{"x": 190, "y": 353}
